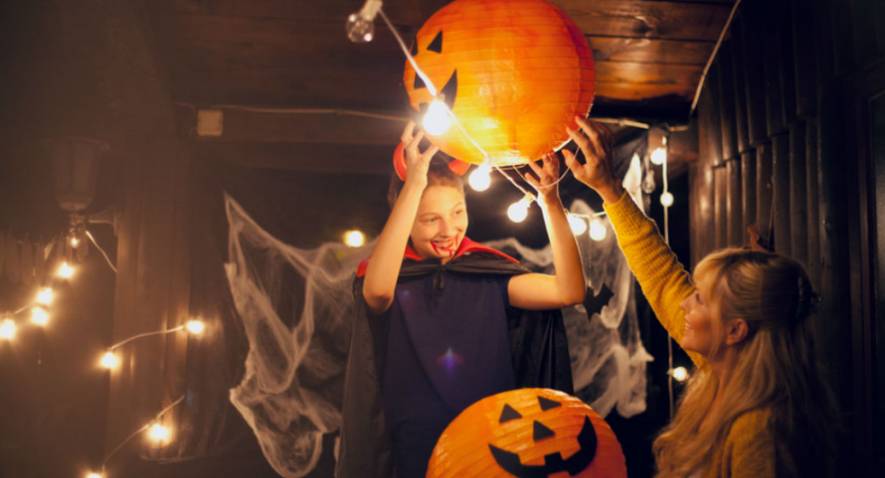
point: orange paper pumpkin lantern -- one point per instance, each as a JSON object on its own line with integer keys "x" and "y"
{"x": 514, "y": 73}
{"x": 530, "y": 432}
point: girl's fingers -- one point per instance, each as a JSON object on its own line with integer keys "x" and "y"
{"x": 579, "y": 138}
{"x": 551, "y": 165}
{"x": 593, "y": 135}
{"x": 536, "y": 169}
{"x": 430, "y": 152}
{"x": 531, "y": 180}
{"x": 416, "y": 140}
{"x": 572, "y": 163}
{"x": 406, "y": 138}
{"x": 596, "y": 140}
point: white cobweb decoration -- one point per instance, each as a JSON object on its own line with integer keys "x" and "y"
{"x": 296, "y": 306}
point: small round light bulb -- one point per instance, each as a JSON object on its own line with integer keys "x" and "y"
{"x": 578, "y": 224}
{"x": 481, "y": 177}
{"x": 598, "y": 229}
{"x": 438, "y": 119}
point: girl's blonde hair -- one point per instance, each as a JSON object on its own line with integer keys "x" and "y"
{"x": 776, "y": 368}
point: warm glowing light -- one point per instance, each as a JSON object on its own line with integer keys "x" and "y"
{"x": 65, "y": 271}
{"x": 680, "y": 374}
{"x": 659, "y": 156}
{"x": 75, "y": 242}
{"x": 667, "y": 199}
{"x": 195, "y": 327}
{"x": 438, "y": 118}
{"x": 109, "y": 360}
{"x": 39, "y": 316}
{"x": 94, "y": 474}
{"x": 45, "y": 296}
{"x": 354, "y": 238}
{"x": 598, "y": 231}
{"x": 481, "y": 177}
{"x": 518, "y": 211}
{"x": 159, "y": 433}
{"x": 578, "y": 224}
{"x": 7, "y": 329}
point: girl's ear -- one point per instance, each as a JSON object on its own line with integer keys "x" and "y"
{"x": 736, "y": 331}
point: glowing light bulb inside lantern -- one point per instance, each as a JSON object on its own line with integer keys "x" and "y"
{"x": 65, "y": 271}
{"x": 94, "y": 474}
{"x": 39, "y": 316}
{"x": 518, "y": 211}
{"x": 159, "y": 433}
{"x": 578, "y": 224}
{"x": 438, "y": 118}
{"x": 195, "y": 327}
{"x": 667, "y": 199}
{"x": 659, "y": 155}
{"x": 45, "y": 296}
{"x": 354, "y": 238}
{"x": 109, "y": 360}
{"x": 75, "y": 242}
{"x": 7, "y": 329}
{"x": 680, "y": 374}
{"x": 598, "y": 231}
{"x": 481, "y": 177}
{"x": 361, "y": 25}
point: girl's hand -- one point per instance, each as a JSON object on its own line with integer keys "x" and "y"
{"x": 417, "y": 162}
{"x": 596, "y": 172}
{"x": 546, "y": 177}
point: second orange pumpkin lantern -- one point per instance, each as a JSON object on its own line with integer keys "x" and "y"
{"x": 514, "y": 73}
{"x": 529, "y": 432}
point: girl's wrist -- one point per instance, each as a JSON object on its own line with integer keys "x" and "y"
{"x": 550, "y": 198}
{"x": 611, "y": 193}
{"x": 414, "y": 185}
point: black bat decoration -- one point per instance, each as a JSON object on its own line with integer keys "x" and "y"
{"x": 594, "y": 302}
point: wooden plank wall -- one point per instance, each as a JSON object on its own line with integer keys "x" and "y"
{"x": 779, "y": 138}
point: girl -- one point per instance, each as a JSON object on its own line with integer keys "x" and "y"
{"x": 756, "y": 406}
{"x": 449, "y": 322}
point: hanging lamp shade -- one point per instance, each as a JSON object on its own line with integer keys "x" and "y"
{"x": 514, "y": 73}
{"x": 75, "y": 163}
{"x": 529, "y": 432}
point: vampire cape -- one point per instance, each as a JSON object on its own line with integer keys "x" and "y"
{"x": 539, "y": 354}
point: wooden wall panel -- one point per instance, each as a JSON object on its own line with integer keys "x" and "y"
{"x": 721, "y": 202}
{"x": 812, "y": 199}
{"x": 754, "y": 85}
{"x": 748, "y": 189}
{"x": 797, "y": 191}
{"x": 780, "y": 208}
{"x": 764, "y": 189}
{"x": 734, "y": 219}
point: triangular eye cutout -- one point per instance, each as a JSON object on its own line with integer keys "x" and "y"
{"x": 436, "y": 44}
{"x": 541, "y": 432}
{"x": 547, "y": 404}
{"x": 508, "y": 413}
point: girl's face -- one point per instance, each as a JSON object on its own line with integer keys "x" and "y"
{"x": 703, "y": 327}
{"x": 441, "y": 222}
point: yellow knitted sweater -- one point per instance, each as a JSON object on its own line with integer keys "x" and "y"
{"x": 748, "y": 450}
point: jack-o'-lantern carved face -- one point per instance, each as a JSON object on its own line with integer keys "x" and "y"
{"x": 528, "y": 433}
{"x": 514, "y": 73}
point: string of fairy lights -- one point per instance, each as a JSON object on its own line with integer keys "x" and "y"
{"x": 159, "y": 431}
{"x": 439, "y": 118}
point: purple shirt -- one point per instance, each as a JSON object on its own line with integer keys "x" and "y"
{"x": 447, "y": 347}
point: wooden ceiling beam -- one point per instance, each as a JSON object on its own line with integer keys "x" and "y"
{"x": 317, "y": 157}
{"x": 299, "y": 126}
{"x": 675, "y": 20}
